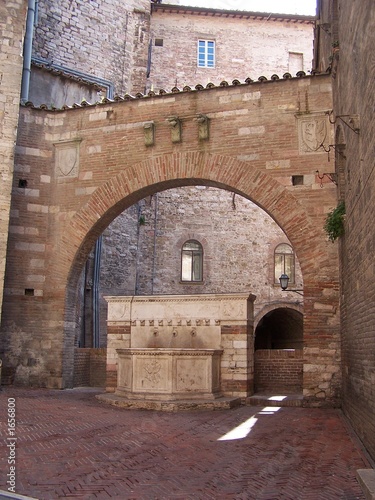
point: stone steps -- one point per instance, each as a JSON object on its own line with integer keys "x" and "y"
{"x": 224, "y": 403}
{"x": 279, "y": 399}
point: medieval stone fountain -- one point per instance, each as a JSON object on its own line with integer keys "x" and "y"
{"x": 174, "y": 348}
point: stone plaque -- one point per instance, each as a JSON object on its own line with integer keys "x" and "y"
{"x": 151, "y": 374}
{"x": 313, "y": 133}
{"x": 191, "y": 374}
{"x": 67, "y": 158}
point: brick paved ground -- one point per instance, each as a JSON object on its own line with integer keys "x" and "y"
{"x": 72, "y": 446}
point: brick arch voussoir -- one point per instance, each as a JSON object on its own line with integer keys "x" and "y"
{"x": 155, "y": 174}
{"x": 272, "y": 307}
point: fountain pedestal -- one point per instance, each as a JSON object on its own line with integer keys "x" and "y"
{"x": 179, "y": 348}
{"x": 168, "y": 373}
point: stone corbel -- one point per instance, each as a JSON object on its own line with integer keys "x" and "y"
{"x": 203, "y": 127}
{"x": 176, "y": 129}
{"x": 149, "y": 131}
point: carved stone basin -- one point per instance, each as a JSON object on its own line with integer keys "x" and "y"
{"x": 168, "y": 373}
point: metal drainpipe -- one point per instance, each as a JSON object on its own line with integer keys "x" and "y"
{"x": 137, "y": 251}
{"x": 95, "y": 293}
{"x": 27, "y": 49}
{"x": 154, "y": 250}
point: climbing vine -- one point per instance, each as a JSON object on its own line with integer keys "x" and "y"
{"x": 334, "y": 224}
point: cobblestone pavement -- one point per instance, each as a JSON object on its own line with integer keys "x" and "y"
{"x": 70, "y": 445}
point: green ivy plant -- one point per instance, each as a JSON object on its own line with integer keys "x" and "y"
{"x": 334, "y": 224}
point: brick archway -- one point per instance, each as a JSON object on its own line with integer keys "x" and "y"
{"x": 168, "y": 171}
{"x": 87, "y": 165}
{"x": 177, "y": 170}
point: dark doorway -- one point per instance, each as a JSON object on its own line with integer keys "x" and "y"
{"x": 278, "y": 357}
{"x": 280, "y": 329}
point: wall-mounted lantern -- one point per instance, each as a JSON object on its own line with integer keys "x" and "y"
{"x": 284, "y": 281}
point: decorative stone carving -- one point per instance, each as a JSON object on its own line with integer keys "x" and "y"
{"x": 181, "y": 332}
{"x": 313, "y": 133}
{"x": 67, "y": 158}
{"x": 203, "y": 127}
{"x": 149, "y": 131}
{"x": 176, "y": 129}
{"x": 169, "y": 374}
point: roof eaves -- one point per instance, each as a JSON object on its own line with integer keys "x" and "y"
{"x": 198, "y": 88}
{"x": 203, "y": 11}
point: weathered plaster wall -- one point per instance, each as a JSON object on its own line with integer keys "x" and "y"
{"x": 57, "y": 90}
{"x": 12, "y": 21}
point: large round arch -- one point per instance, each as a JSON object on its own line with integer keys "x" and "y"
{"x": 78, "y": 234}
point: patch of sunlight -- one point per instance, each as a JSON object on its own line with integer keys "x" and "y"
{"x": 241, "y": 431}
{"x": 277, "y": 398}
{"x": 269, "y": 410}
{"x": 244, "y": 429}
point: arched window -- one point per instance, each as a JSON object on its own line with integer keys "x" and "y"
{"x": 284, "y": 262}
{"x": 192, "y": 261}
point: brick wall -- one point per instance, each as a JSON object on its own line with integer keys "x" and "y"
{"x": 108, "y": 39}
{"x": 353, "y": 77}
{"x": 12, "y": 21}
{"x": 244, "y": 44}
{"x": 81, "y": 367}
{"x": 89, "y": 367}
{"x": 278, "y": 370}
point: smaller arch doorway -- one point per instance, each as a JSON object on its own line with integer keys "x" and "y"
{"x": 278, "y": 356}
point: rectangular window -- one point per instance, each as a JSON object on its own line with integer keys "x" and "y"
{"x": 206, "y": 54}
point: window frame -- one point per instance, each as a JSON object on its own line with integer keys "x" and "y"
{"x": 206, "y": 62}
{"x": 195, "y": 255}
{"x": 284, "y": 265}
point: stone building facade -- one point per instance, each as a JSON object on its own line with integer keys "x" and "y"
{"x": 127, "y": 257}
{"x": 239, "y": 241}
{"x": 241, "y": 253}
{"x": 107, "y": 40}
{"x": 12, "y": 21}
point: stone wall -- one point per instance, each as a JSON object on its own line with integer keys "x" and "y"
{"x": 12, "y": 22}
{"x": 353, "y": 77}
{"x": 105, "y": 39}
{"x": 238, "y": 238}
{"x": 89, "y": 367}
{"x": 245, "y": 44}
